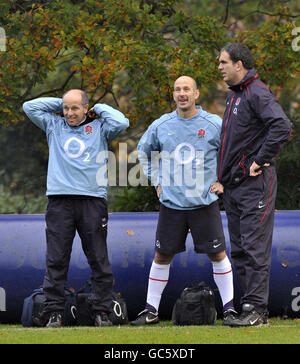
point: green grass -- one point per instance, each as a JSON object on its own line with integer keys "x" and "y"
{"x": 278, "y": 332}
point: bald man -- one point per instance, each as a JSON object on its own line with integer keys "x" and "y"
{"x": 77, "y": 199}
{"x": 187, "y": 141}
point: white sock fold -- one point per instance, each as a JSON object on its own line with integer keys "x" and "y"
{"x": 158, "y": 279}
{"x": 223, "y": 278}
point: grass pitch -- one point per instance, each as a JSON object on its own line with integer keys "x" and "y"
{"x": 277, "y": 332}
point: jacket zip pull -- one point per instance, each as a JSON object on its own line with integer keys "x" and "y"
{"x": 241, "y": 164}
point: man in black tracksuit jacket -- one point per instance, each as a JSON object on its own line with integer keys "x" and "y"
{"x": 253, "y": 132}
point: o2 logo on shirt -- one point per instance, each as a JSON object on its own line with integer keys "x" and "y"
{"x": 79, "y": 150}
{"x": 189, "y": 169}
{"x": 184, "y": 153}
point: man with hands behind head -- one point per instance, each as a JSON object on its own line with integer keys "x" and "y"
{"x": 76, "y": 199}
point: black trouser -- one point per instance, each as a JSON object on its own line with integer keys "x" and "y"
{"x": 65, "y": 215}
{"x": 250, "y": 213}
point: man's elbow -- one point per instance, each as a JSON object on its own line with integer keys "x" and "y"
{"x": 26, "y": 107}
{"x": 126, "y": 123}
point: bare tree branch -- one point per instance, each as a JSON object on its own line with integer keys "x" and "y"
{"x": 114, "y": 97}
{"x": 101, "y": 97}
{"x": 56, "y": 89}
{"x": 277, "y": 14}
{"x": 257, "y": 11}
{"x": 227, "y": 12}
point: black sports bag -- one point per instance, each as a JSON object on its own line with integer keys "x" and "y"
{"x": 84, "y": 315}
{"x": 196, "y": 306}
{"x": 34, "y": 304}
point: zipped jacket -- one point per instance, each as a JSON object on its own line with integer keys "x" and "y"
{"x": 254, "y": 128}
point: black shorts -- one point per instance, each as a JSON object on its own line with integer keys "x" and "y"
{"x": 205, "y": 225}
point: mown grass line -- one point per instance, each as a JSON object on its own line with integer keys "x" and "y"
{"x": 278, "y": 332}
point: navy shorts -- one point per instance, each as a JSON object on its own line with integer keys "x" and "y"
{"x": 205, "y": 225}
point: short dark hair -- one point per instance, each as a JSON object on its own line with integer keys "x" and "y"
{"x": 85, "y": 98}
{"x": 239, "y": 52}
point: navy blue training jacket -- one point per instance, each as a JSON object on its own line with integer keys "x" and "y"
{"x": 254, "y": 128}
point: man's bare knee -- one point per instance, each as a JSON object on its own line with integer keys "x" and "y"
{"x": 162, "y": 258}
{"x": 217, "y": 257}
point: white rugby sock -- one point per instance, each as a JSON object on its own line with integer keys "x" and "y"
{"x": 158, "y": 279}
{"x": 223, "y": 277}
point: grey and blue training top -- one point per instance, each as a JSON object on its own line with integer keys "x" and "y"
{"x": 77, "y": 155}
{"x": 181, "y": 155}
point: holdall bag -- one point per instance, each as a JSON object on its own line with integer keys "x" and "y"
{"x": 196, "y": 306}
{"x": 118, "y": 315}
{"x": 34, "y": 304}
{"x": 27, "y": 312}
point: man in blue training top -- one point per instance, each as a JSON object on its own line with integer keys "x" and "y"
{"x": 76, "y": 199}
{"x": 187, "y": 142}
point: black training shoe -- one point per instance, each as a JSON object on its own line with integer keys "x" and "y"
{"x": 41, "y": 319}
{"x": 102, "y": 320}
{"x": 249, "y": 317}
{"x": 146, "y": 317}
{"x": 55, "y": 320}
{"x": 229, "y": 316}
